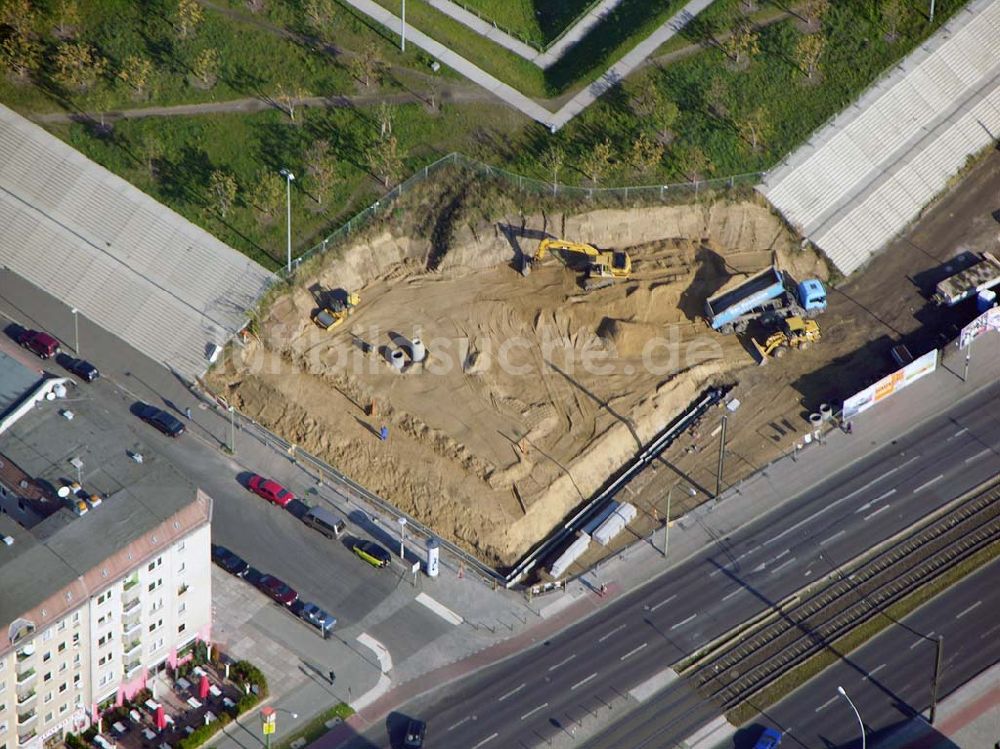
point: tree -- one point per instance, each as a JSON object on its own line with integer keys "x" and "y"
{"x": 321, "y": 169}
{"x": 135, "y": 73}
{"x": 646, "y": 154}
{"x": 268, "y": 195}
{"x": 651, "y": 105}
{"x": 222, "y": 186}
{"x": 808, "y": 50}
{"x": 78, "y": 65}
{"x": 205, "y": 67}
{"x": 320, "y": 13}
{"x": 755, "y": 127}
{"x": 256, "y": 6}
{"x": 693, "y": 163}
{"x": 814, "y": 10}
{"x": 189, "y": 15}
{"x": 717, "y": 97}
{"x": 893, "y": 13}
{"x": 743, "y": 41}
{"x": 150, "y": 150}
{"x": 20, "y": 55}
{"x": 385, "y": 115}
{"x": 67, "y": 18}
{"x": 553, "y": 159}
{"x": 384, "y": 160}
{"x": 368, "y": 67}
{"x": 19, "y": 16}
{"x": 290, "y": 98}
{"x": 596, "y": 163}
{"x": 101, "y": 100}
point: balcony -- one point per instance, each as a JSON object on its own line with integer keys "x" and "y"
{"x": 24, "y": 718}
{"x": 132, "y": 667}
{"x": 131, "y": 583}
{"x": 131, "y": 604}
{"x": 133, "y": 647}
{"x": 24, "y": 738}
{"x": 131, "y": 628}
{"x": 25, "y": 698}
{"x": 23, "y": 676}
{"x": 24, "y": 653}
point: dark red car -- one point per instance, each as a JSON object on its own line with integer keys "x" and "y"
{"x": 280, "y": 591}
{"x": 41, "y": 343}
{"x": 270, "y": 490}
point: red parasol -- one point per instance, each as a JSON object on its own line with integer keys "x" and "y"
{"x": 161, "y": 718}
{"x": 203, "y": 687}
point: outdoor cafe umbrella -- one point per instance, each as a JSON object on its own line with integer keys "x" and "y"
{"x": 203, "y": 687}
{"x": 161, "y": 718}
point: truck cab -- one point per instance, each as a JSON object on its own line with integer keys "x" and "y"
{"x": 812, "y": 295}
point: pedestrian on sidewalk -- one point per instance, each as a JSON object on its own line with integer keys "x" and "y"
{"x": 187, "y": 412}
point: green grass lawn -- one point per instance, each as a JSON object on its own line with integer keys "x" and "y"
{"x": 538, "y": 22}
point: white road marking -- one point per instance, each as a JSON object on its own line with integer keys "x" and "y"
{"x": 976, "y": 605}
{"x": 838, "y": 534}
{"x": 466, "y": 719}
{"x": 978, "y": 455}
{"x": 782, "y": 565}
{"x": 632, "y": 652}
{"x": 989, "y": 632}
{"x": 583, "y": 681}
{"x": 681, "y": 624}
{"x": 512, "y": 691}
{"x": 665, "y": 600}
{"x": 879, "y": 498}
{"x": 562, "y": 663}
{"x": 440, "y": 609}
{"x": 730, "y": 595}
{"x": 746, "y": 553}
{"x": 380, "y": 650}
{"x": 535, "y": 710}
{"x": 827, "y": 703}
{"x": 873, "y": 672}
{"x": 619, "y": 628}
{"x": 488, "y": 738}
{"x": 870, "y": 515}
{"x": 960, "y": 432}
{"x": 928, "y": 483}
{"x": 922, "y": 639}
{"x": 784, "y": 553}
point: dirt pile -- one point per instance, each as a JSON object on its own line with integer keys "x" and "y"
{"x": 532, "y": 391}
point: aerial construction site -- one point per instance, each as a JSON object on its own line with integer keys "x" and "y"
{"x": 532, "y": 391}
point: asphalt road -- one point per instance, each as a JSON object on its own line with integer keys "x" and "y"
{"x": 591, "y": 667}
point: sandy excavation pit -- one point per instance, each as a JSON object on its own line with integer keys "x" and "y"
{"x": 532, "y": 392}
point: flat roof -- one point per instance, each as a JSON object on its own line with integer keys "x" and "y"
{"x": 16, "y": 381}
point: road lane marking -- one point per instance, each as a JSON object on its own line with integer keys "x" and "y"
{"x": 535, "y": 710}
{"x": 681, "y": 624}
{"x": 827, "y": 704}
{"x": 874, "y": 671}
{"x": 925, "y": 637}
{"x": 879, "y": 498}
{"x": 632, "y": 652}
{"x": 488, "y": 738}
{"x": 783, "y": 565}
{"x": 619, "y": 628}
{"x": 978, "y": 455}
{"x": 960, "y": 432}
{"x": 989, "y": 632}
{"x": 782, "y": 554}
{"x": 512, "y": 691}
{"x": 925, "y": 485}
{"x": 838, "y": 534}
{"x": 466, "y": 719}
{"x": 976, "y": 605}
{"x": 583, "y": 681}
{"x": 746, "y": 553}
{"x": 562, "y": 662}
{"x": 870, "y": 515}
{"x": 665, "y": 600}
{"x": 730, "y": 595}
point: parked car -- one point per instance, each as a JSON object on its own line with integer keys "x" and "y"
{"x": 769, "y": 739}
{"x": 160, "y": 419}
{"x": 277, "y": 589}
{"x": 253, "y": 576}
{"x": 415, "y": 731}
{"x": 297, "y": 606}
{"x": 230, "y": 562}
{"x": 270, "y": 490}
{"x": 39, "y": 342}
{"x": 321, "y": 620}
{"x": 83, "y": 369}
{"x": 372, "y": 553}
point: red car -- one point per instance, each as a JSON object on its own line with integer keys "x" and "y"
{"x": 278, "y": 590}
{"x": 270, "y": 490}
{"x": 41, "y": 343}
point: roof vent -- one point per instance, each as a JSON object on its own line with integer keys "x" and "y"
{"x": 23, "y": 484}
{"x": 8, "y": 540}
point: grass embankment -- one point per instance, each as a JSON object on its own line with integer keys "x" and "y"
{"x": 535, "y": 23}
{"x": 317, "y": 726}
{"x": 857, "y": 637}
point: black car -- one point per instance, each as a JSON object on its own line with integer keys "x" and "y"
{"x": 253, "y": 576}
{"x": 160, "y": 419}
{"x": 230, "y": 562}
{"x": 415, "y": 730}
{"x": 83, "y": 369}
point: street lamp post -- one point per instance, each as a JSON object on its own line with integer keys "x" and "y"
{"x": 666, "y": 528}
{"x": 288, "y": 195}
{"x": 842, "y": 693}
{"x": 232, "y": 430}
{"x": 402, "y": 29}
{"x": 402, "y": 536}
{"x": 76, "y": 330}
{"x": 268, "y": 721}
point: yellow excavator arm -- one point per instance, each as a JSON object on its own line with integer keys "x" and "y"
{"x": 547, "y": 245}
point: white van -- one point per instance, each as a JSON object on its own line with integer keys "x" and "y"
{"x": 324, "y": 521}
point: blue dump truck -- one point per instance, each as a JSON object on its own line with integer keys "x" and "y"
{"x": 768, "y": 296}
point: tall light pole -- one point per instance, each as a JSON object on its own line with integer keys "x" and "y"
{"x": 76, "y": 330}
{"x": 402, "y": 536}
{"x": 932, "y": 11}
{"x": 402, "y": 29}
{"x": 666, "y": 527}
{"x": 288, "y": 192}
{"x": 842, "y": 693}
{"x": 232, "y": 430}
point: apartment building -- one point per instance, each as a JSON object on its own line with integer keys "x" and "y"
{"x": 94, "y": 604}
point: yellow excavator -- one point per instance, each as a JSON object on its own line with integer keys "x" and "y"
{"x": 604, "y": 268}
{"x": 336, "y": 312}
{"x": 793, "y": 333}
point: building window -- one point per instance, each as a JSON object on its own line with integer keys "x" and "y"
{"x": 181, "y": 628}
{"x": 47, "y": 657}
{"x": 181, "y": 568}
{"x": 181, "y": 608}
{"x": 63, "y": 687}
{"x": 180, "y": 546}
{"x": 62, "y": 647}
{"x": 151, "y": 567}
{"x": 48, "y": 676}
{"x": 47, "y": 635}
{"x": 48, "y": 717}
{"x": 103, "y": 639}
{"x": 152, "y": 627}
{"x": 62, "y": 626}
{"x": 152, "y": 587}
{"x": 63, "y": 708}
{"x": 48, "y": 698}
{"x": 76, "y": 638}
{"x": 76, "y": 617}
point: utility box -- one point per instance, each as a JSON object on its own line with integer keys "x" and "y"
{"x": 433, "y": 557}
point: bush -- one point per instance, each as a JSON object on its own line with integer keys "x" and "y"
{"x": 244, "y": 672}
{"x": 203, "y": 733}
{"x": 73, "y": 741}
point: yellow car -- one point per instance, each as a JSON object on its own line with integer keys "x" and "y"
{"x": 372, "y": 553}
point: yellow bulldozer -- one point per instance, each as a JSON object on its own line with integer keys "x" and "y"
{"x": 794, "y": 332}
{"x": 604, "y": 267}
{"x": 336, "y": 311}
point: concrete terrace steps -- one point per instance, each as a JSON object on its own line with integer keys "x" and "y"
{"x": 126, "y": 262}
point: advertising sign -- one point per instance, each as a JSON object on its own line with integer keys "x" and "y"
{"x": 893, "y": 383}
{"x": 989, "y": 320}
